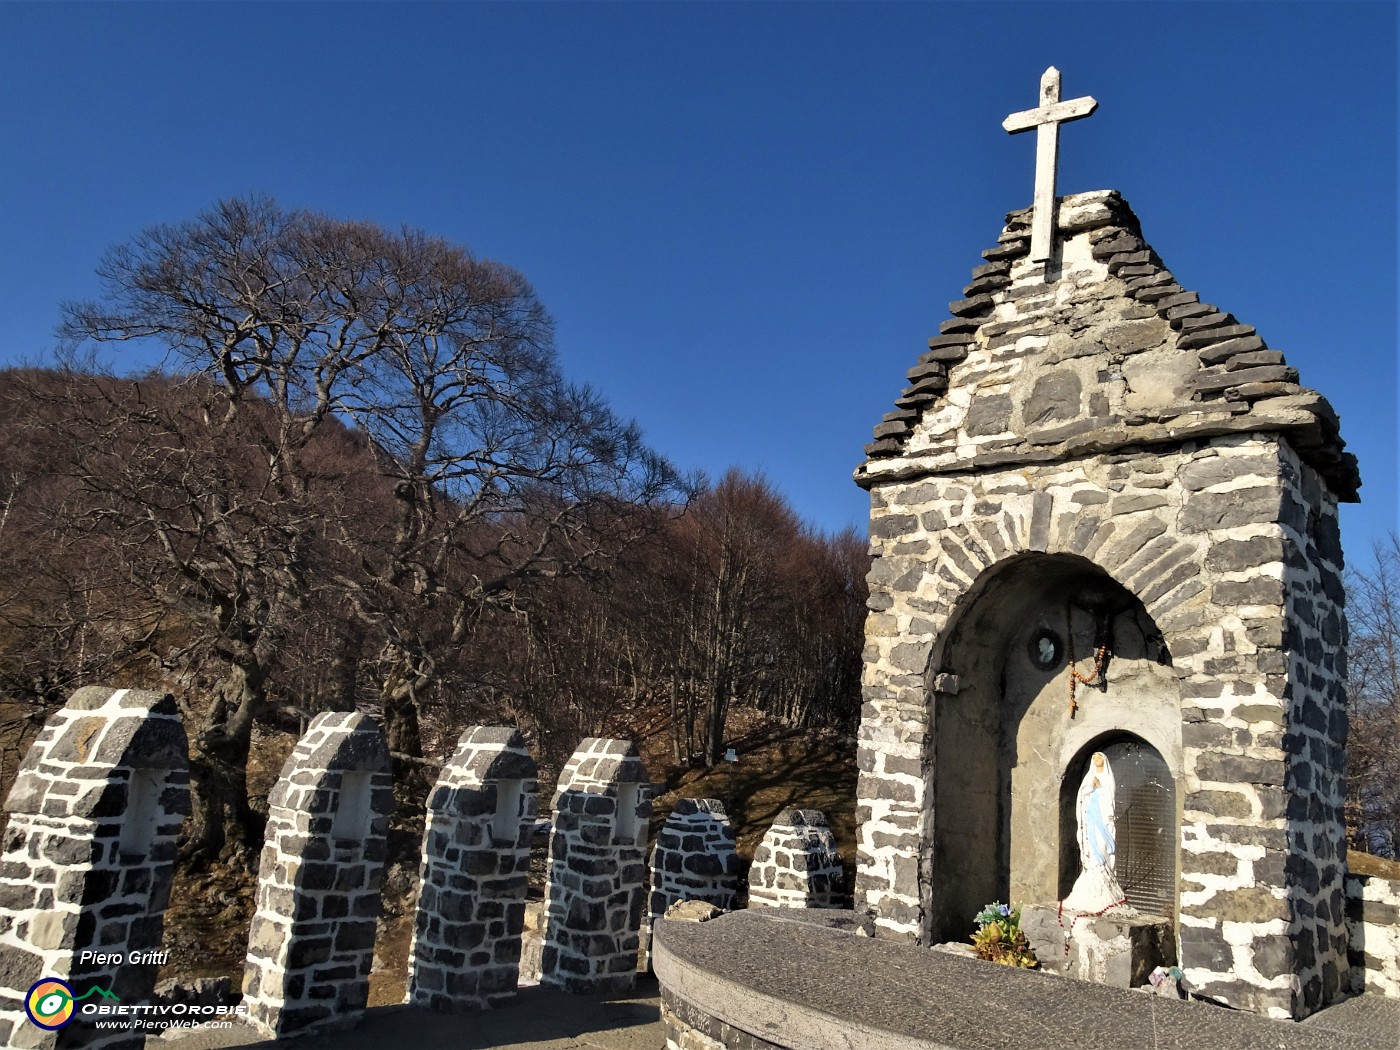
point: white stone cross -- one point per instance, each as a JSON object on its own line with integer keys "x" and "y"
{"x": 1046, "y": 119}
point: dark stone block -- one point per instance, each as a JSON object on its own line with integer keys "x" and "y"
{"x": 1237, "y": 769}
{"x": 1205, "y": 948}
{"x": 1207, "y": 384}
{"x": 971, "y": 307}
{"x": 1196, "y": 340}
{"x": 99, "y": 886}
{"x": 1249, "y": 905}
{"x": 308, "y": 951}
{"x": 1200, "y": 322}
{"x": 1207, "y": 735}
{"x": 989, "y": 415}
{"x": 19, "y": 969}
{"x": 957, "y": 340}
{"x": 1262, "y": 590}
{"x": 1235, "y": 555}
{"x": 1209, "y": 511}
{"x": 1216, "y": 803}
{"x": 1008, "y": 250}
{"x": 1220, "y": 352}
{"x": 1154, "y": 292}
{"x": 1055, "y": 397}
{"x": 1252, "y": 359}
{"x": 354, "y": 936}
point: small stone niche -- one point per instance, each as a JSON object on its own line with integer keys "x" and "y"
{"x": 89, "y": 855}
{"x": 143, "y": 814}
{"x": 311, "y": 945}
{"x": 476, "y": 858}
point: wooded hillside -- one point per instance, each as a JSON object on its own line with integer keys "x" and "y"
{"x": 360, "y": 479}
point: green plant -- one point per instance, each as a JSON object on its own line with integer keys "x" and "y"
{"x": 999, "y": 938}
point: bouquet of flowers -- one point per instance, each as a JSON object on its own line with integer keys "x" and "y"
{"x": 999, "y": 938}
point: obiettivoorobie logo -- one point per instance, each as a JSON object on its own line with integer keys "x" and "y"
{"x": 50, "y": 1003}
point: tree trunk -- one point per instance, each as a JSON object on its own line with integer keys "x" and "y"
{"x": 401, "y": 724}
{"x": 222, "y": 826}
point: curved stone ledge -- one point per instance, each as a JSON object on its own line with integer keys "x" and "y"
{"x": 753, "y": 980}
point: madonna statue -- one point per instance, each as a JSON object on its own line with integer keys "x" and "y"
{"x": 1096, "y": 890}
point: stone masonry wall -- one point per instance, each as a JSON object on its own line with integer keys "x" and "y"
{"x": 796, "y": 864}
{"x": 1105, "y": 413}
{"x": 312, "y": 939}
{"x": 1130, "y": 515}
{"x": 1315, "y": 732}
{"x": 89, "y": 856}
{"x": 1373, "y": 919}
{"x": 597, "y": 869}
{"x": 476, "y": 857}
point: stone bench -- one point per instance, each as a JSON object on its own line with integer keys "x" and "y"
{"x": 763, "y": 979}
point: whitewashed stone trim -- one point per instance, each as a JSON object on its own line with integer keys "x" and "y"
{"x": 796, "y": 864}
{"x": 89, "y": 856}
{"x": 597, "y": 869}
{"x": 1373, "y": 913}
{"x": 465, "y": 953}
{"x": 311, "y": 945}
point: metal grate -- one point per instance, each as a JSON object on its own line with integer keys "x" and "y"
{"x": 1146, "y": 814}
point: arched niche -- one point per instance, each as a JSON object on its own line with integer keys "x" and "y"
{"x": 1147, "y": 820}
{"x": 1004, "y": 730}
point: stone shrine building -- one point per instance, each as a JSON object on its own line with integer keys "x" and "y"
{"x": 1104, "y": 520}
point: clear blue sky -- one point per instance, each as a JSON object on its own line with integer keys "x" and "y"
{"x": 746, "y": 219}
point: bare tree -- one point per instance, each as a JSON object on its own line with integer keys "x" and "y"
{"x": 759, "y": 611}
{"x": 348, "y": 418}
{"x": 1373, "y": 744}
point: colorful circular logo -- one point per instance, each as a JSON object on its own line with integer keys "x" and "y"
{"x": 49, "y": 1003}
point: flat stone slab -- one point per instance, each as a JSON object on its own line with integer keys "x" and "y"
{"x": 798, "y": 984}
{"x": 1374, "y": 1016}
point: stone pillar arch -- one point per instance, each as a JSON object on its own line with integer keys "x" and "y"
{"x": 476, "y": 859}
{"x": 597, "y": 869}
{"x": 796, "y": 864}
{"x": 311, "y": 945}
{"x": 694, "y": 858}
{"x": 89, "y": 856}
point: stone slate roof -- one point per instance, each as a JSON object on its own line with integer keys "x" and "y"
{"x": 1143, "y": 362}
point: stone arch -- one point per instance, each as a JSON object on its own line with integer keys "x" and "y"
{"x": 796, "y": 864}
{"x": 89, "y": 855}
{"x": 1002, "y": 725}
{"x": 311, "y": 945}
{"x": 476, "y": 858}
{"x": 597, "y": 869}
{"x": 1141, "y": 551}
